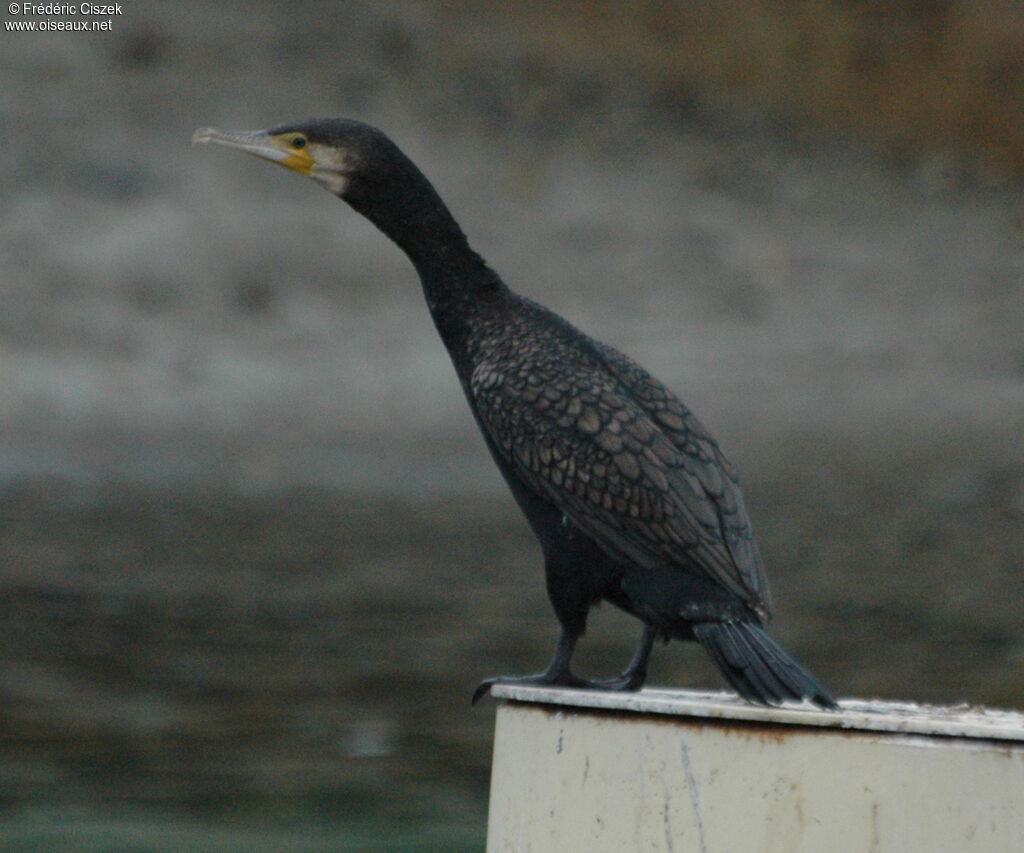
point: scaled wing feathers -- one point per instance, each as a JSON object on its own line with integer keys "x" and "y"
{"x": 625, "y": 461}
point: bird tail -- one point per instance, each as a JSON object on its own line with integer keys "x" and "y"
{"x": 759, "y": 669}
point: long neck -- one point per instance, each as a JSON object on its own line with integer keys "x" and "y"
{"x": 403, "y": 204}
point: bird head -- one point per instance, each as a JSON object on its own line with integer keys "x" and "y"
{"x": 362, "y": 166}
{"x": 330, "y": 151}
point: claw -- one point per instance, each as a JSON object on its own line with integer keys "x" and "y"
{"x": 482, "y": 689}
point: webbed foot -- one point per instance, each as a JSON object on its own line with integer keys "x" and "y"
{"x": 558, "y": 674}
{"x": 541, "y": 679}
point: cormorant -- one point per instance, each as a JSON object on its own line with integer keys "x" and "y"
{"x": 631, "y": 498}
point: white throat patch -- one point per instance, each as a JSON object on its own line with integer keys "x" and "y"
{"x": 330, "y": 180}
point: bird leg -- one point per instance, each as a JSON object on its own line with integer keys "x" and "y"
{"x": 632, "y": 679}
{"x": 558, "y": 673}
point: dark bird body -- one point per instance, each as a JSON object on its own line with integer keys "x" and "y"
{"x": 632, "y": 500}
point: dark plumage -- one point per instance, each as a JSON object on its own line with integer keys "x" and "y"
{"x": 632, "y": 500}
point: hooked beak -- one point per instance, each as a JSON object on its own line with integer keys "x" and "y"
{"x": 259, "y": 143}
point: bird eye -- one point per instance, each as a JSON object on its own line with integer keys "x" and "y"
{"x": 299, "y": 142}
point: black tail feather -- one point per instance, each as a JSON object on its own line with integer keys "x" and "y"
{"x": 757, "y": 667}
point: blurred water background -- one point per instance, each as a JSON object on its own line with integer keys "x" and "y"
{"x": 253, "y": 555}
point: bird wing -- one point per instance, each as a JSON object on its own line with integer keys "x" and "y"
{"x": 693, "y": 440}
{"x": 641, "y": 478}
